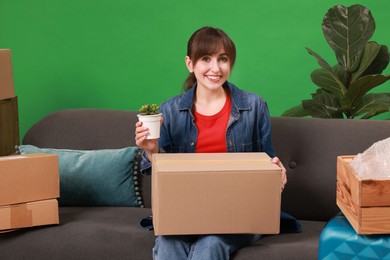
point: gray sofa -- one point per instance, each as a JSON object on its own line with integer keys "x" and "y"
{"x": 308, "y": 147}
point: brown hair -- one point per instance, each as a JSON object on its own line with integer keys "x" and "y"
{"x": 207, "y": 41}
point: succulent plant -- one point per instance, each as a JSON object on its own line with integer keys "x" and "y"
{"x": 152, "y": 109}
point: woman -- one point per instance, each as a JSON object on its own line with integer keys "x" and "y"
{"x": 211, "y": 116}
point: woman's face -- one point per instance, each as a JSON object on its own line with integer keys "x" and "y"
{"x": 211, "y": 71}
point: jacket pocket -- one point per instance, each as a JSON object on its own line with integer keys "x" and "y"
{"x": 251, "y": 147}
{"x": 246, "y": 147}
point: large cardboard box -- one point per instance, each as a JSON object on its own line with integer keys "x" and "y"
{"x": 215, "y": 193}
{"x": 365, "y": 203}
{"x": 6, "y": 77}
{"x": 37, "y": 213}
{"x": 9, "y": 126}
{"x": 27, "y": 178}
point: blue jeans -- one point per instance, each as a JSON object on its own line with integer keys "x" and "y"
{"x": 200, "y": 247}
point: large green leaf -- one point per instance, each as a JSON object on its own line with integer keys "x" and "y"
{"x": 326, "y": 78}
{"x": 361, "y": 86}
{"x": 347, "y": 31}
{"x": 371, "y": 51}
{"x": 297, "y": 111}
{"x": 341, "y": 74}
{"x": 326, "y": 81}
{"x": 315, "y": 109}
{"x": 322, "y": 105}
{"x": 328, "y": 101}
{"x": 380, "y": 62}
{"x": 372, "y": 104}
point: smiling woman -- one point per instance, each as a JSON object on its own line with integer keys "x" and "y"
{"x": 212, "y": 116}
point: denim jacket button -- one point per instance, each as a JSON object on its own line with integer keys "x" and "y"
{"x": 192, "y": 144}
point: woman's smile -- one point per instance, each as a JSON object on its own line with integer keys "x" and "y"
{"x": 214, "y": 78}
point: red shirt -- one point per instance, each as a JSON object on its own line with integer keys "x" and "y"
{"x": 212, "y": 130}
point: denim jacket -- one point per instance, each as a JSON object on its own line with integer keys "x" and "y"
{"x": 248, "y": 130}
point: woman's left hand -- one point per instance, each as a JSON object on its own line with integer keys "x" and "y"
{"x": 276, "y": 161}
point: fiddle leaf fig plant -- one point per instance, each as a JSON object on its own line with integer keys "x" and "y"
{"x": 343, "y": 89}
{"x": 152, "y": 109}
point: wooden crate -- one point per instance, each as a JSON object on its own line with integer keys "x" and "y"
{"x": 365, "y": 203}
{"x": 9, "y": 126}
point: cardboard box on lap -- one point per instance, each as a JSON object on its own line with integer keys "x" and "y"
{"x": 364, "y": 202}
{"x": 6, "y": 76}
{"x": 27, "y": 178}
{"x": 215, "y": 193}
{"x": 31, "y": 214}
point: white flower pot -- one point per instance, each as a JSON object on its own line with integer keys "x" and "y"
{"x": 153, "y": 123}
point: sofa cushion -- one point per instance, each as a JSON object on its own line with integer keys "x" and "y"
{"x": 84, "y": 233}
{"x": 106, "y": 177}
{"x": 114, "y": 233}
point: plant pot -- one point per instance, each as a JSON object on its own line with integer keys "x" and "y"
{"x": 153, "y": 123}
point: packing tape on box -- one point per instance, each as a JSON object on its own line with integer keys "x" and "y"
{"x": 212, "y": 161}
{"x": 21, "y": 216}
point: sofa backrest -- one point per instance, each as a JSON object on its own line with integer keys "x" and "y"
{"x": 308, "y": 148}
{"x": 84, "y": 129}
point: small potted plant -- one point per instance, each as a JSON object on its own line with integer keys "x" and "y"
{"x": 150, "y": 117}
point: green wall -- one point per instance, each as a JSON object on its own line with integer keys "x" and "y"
{"x": 121, "y": 54}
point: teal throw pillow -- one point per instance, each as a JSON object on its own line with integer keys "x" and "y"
{"x": 105, "y": 177}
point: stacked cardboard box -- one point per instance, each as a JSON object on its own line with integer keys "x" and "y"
{"x": 215, "y": 193}
{"x": 364, "y": 202}
{"x": 9, "y": 126}
{"x": 29, "y": 188}
{"x": 9, "y": 122}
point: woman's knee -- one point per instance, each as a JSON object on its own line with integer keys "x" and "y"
{"x": 173, "y": 241}
{"x": 210, "y": 247}
{"x": 228, "y": 243}
{"x": 171, "y": 247}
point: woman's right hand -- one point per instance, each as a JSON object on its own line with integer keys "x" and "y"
{"x": 149, "y": 145}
